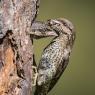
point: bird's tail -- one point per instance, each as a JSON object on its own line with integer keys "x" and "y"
{"x": 40, "y": 91}
{"x": 37, "y": 91}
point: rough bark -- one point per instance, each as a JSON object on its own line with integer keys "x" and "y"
{"x": 16, "y": 17}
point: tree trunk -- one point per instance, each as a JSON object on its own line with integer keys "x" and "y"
{"x": 16, "y": 17}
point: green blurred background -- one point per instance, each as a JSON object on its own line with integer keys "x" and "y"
{"x": 79, "y": 77}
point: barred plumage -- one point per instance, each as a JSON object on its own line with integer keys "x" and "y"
{"x": 55, "y": 56}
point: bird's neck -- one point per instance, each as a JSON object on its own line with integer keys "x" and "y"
{"x": 61, "y": 38}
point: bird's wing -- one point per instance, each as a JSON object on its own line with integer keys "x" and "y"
{"x": 57, "y": 76}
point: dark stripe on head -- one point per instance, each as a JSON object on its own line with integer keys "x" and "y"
{"x": 65, "y": 24}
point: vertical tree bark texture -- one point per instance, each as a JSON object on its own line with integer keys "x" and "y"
{"x": 16, "y": 17}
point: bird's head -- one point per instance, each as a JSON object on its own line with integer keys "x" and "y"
{"x": 61, "y": 26}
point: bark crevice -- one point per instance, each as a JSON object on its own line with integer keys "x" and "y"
{"x": 16, "y": 49}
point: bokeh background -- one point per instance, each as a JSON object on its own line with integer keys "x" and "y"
{"x": 79, "y": 77}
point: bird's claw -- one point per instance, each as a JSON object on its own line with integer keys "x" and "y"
{"x": 34, "y": 75}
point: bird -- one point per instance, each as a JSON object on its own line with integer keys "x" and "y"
{"x": 55, "y": 56}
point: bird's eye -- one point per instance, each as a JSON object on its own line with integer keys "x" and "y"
{"x": 57, "y": 24}
{"x": 65, "y": 24}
